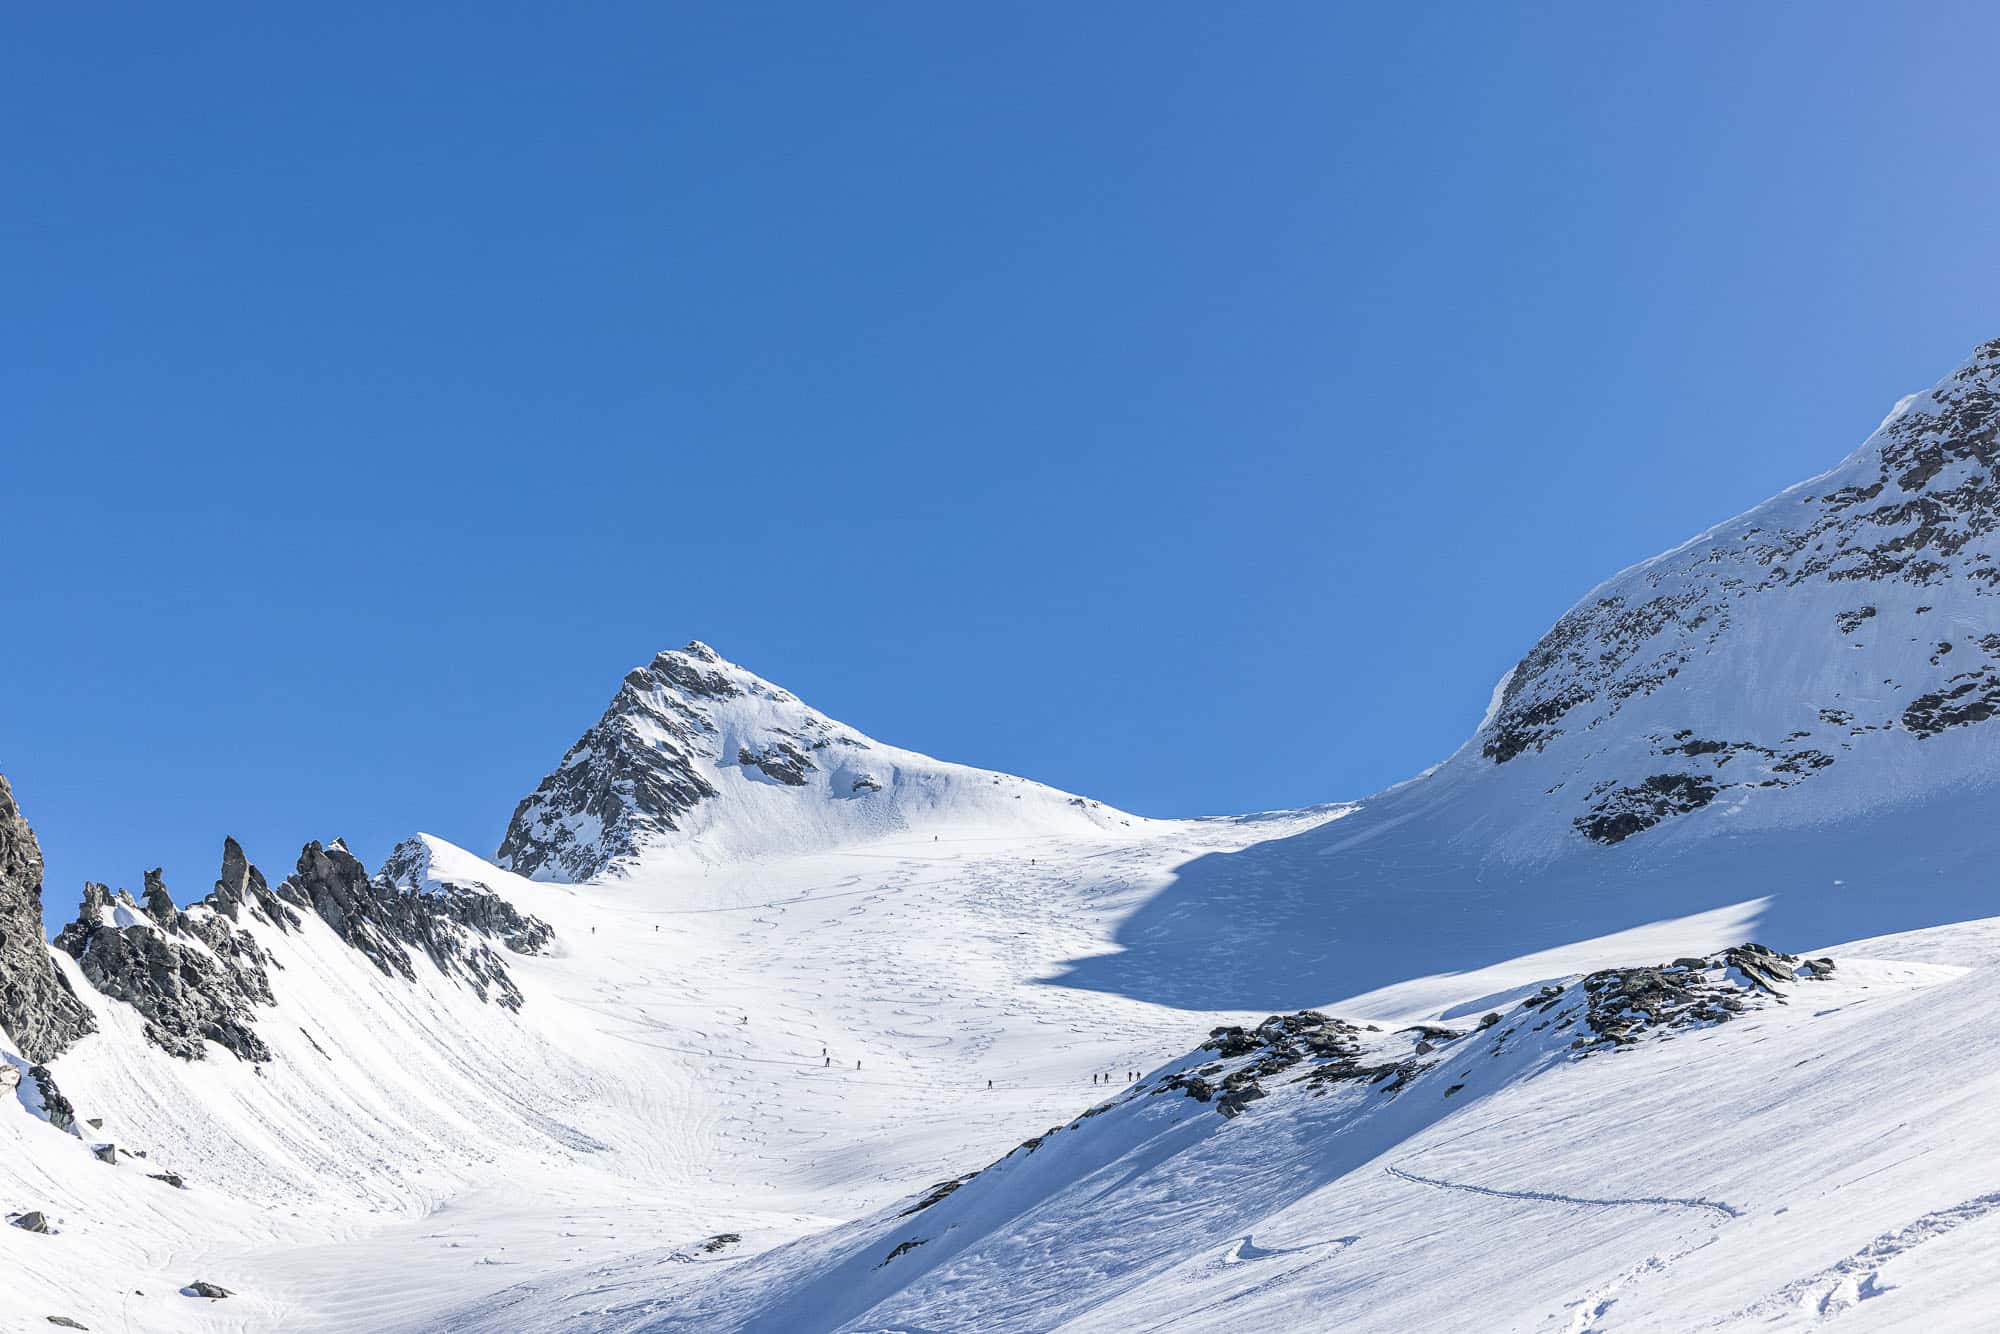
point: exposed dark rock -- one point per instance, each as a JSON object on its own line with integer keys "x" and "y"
{"x": 32, "y": 1221}
{"x": 1920, "y": 508}
{"x": 903, "y": 1249}
{"x": 780, "y": 760}
{"x": 37, "y": 1007}
{"x": 106, "y": 1153}
{"x": 213, "y": 1291}
{"x": 242, "y": 886}
{"x": 936, "y": 1194}
{"x": 55, "y": 1108}
{"x": 720, "y": 1241}
{"x": 1974, "y": 699}
{"x": 171, "y": 1178}
{"x": 1231, "y": 1103}
{"x": 1626, "y": 811}
{"x": 65, "y": 1322}
{"x": 149, "y": 958}
{"x": 470, "y": 903}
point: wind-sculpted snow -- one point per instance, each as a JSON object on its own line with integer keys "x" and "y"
{"x": 698, "y": 753}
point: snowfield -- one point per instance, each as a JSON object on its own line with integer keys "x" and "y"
{"x": 815, "y": 1033}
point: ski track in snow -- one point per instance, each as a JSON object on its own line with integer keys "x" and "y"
{"x": 1551, "y": 1197}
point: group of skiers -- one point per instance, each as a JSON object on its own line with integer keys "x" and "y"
{"x": 1131, "y": 1077}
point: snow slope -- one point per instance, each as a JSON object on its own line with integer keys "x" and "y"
{"x": 411, "y": 1149}
{"x": 772, "y": 965}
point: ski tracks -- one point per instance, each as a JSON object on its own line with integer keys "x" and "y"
{"x": 1857, "y": 1278}
{"x": 1551, "y": 1197}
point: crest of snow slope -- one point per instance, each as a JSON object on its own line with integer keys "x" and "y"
{"x": 696, "y": 754}
{"x": 1781, "y": 728}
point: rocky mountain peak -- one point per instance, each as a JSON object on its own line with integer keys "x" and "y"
{"x": 695, "y": 750}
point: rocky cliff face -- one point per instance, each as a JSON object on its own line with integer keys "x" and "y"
{"x": 37, "y": 1008}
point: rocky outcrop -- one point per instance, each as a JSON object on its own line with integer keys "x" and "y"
{"x": 192, "y": 976}
{"x": 199, "y": 976}
{"x": 48, "y": 1101}
{"x": 37, "y": 1007}
{"x": 386, "y": 920}
{"x": 471, "y": 903}
{"x": 1622, "y": 1005}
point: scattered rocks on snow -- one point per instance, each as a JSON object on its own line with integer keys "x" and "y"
{"x": 200, "y": 1288}
{"x": 171, "y": 1178}
{"x": 720, "y": 1241}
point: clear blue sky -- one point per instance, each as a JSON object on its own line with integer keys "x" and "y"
{"x": 1195, "y": 406}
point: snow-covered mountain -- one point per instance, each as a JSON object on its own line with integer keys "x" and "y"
{"x": 1830, "y": 652}
{"x": 698, "y": 754}
{"x": 755, "y": 1023}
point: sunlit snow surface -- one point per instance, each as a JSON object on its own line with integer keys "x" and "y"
{"x": 767, "y": 1030}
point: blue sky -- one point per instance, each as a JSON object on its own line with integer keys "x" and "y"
{"x": 1198, "y": 407}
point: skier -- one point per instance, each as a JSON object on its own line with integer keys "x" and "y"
{"x": 989, "y": 1083}
{"x": 829, "y": 1061}
{"x": 857, "y": 1065}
